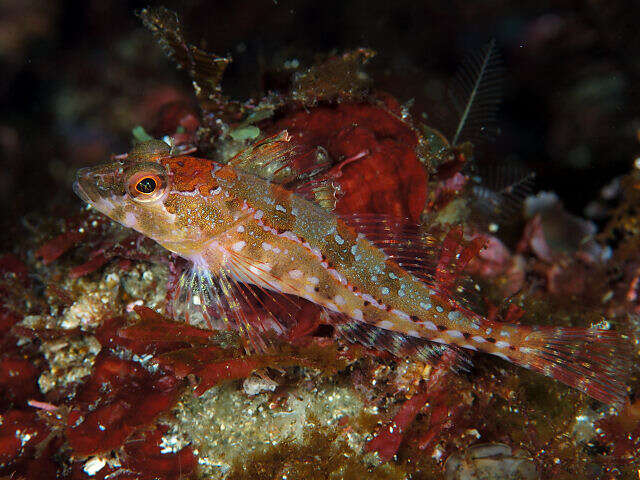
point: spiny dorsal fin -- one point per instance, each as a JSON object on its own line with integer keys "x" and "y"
{"x": 477, "y": 93}
{"x": 270, "y": 158}
{"x": 281, "y": 160}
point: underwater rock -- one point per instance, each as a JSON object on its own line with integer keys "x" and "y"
{"x": 491, "y": 461}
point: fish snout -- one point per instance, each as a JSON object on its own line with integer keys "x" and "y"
{"x": 79, "y": 182}
{"x": 94, "y": 183}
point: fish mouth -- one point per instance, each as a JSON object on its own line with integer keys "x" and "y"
{"x": 78, "y": 189}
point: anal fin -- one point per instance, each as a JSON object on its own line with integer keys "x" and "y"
{"x": 398, "y": 344}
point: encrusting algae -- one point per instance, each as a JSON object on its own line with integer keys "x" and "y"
{"x": 307, "y": 309}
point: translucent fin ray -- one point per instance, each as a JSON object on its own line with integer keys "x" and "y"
{"x": 224, "y": 302}
{"x": 596, "y": 362}
{"x": 402, "y": 240}
{"x": 281, "y": 160}
{"x": 438, "y": 263}
{"x": 501, "y": 192}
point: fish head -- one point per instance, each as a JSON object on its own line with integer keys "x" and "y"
{"x": 142, "y": 192}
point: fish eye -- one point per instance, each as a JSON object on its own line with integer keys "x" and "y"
{"x": 147, "y": 183}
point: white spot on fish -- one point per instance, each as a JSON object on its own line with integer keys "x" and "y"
{"x": 488, "y": 331}
{"x": 238, "y": 246}
{"x": 454, "y": 315}
{"x": 331, "y": 306}
{"x": 266, "y": 246}
{"x": 501, "y": 344}
{"x": 401, "y": 293}
{"x": 240, "y": 229}
{"x": 413, "y": 333}
{"x": 295, "y": 273}
{"x": 525, "y": 350}
{"x": 291, "y": 236}
{"x": 313, "y": 280}
{"x": 339, "y": 300}
{"x": 354, "y": 250}
{"x": 258, "y": 215}
{"x": 384, "y": 290}
{"x": 129, "y": 220}
{"x": 425, "y": 305}
{"x": 339, "y": 239}
{"x": 439, "y": 309}
{"x": 215, "y": 191}
{"x": 357, "y": 314}
{"x": 478, "y": 339}
{"x": 374, "y": 278}
{"x": 454, "y": 333}
{"x": 340, "y": 277}
{"x": 430, "y": 325}
{"x": 281, "y": 208}
{"x": 401, "y": 314}
{"x": 386, "y": 324}
{"x": 505, "y": 333}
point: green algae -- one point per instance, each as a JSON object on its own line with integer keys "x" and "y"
{"x": 323, "y": 454}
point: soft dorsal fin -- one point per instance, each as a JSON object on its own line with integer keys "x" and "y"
{"x": 438, "y": 262}
{"x": 404, "y": 241}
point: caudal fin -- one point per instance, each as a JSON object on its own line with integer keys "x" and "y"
{"x": 593, "y": 361}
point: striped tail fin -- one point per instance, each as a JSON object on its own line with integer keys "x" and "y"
{"x": 593, "y": 361}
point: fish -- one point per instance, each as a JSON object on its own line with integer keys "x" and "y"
{"x": 258, "y": 227}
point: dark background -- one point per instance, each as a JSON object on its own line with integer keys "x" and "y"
{"x": 76, "y": 77}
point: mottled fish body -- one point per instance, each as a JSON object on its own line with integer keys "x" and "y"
{"x": 238, "y": 229}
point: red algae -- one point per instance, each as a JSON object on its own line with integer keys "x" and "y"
{"x": 369, "y": 146}
{"x": 144, "y": 459}
{"x": 99, "y": 421}
{"x": 21, "y": 431}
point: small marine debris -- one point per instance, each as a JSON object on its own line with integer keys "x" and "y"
{"x": 338, "y": 79}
